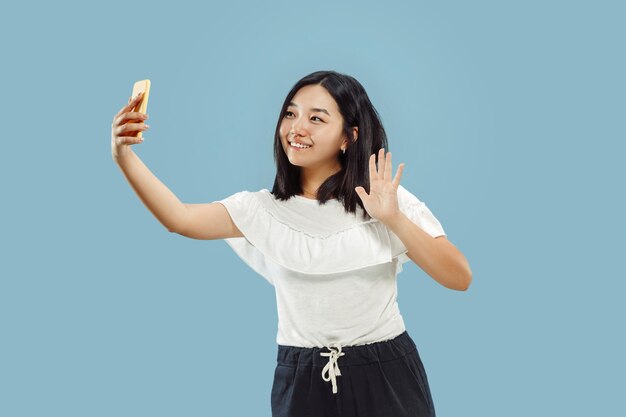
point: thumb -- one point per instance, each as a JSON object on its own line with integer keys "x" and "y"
{"x": 360, "y": 190}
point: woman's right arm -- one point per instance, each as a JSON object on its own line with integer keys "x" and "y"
{"x": 198, "y": 221}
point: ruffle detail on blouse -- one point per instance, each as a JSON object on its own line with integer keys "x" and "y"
{"x": 418, "y": 213}
{"x": 269, "y": 241}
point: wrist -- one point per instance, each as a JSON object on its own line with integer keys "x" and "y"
{"x": 121, "y": 154}
{"x": 395, "y": 221}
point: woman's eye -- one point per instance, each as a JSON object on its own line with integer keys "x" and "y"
{"x": 287, "y": 113}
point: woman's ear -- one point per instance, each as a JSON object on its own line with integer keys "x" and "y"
{"x": 356, "y": 132}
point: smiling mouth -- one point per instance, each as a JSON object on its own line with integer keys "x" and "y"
{"x": 298, "y": 146}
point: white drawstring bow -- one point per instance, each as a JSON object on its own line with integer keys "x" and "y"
{"x": 332, "y": 367}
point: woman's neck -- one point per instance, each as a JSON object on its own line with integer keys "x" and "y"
{"x": 312, "y": 178}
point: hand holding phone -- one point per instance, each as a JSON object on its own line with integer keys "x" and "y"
{"x": 141, "y": 87}
{"x": 130, "y": 120}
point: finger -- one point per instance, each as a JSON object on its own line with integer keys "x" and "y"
{"x": 361, "y": 192}
{"x": 387, "y": 173}
{"x": 396, "y": 180}
{"x": 134, "y": 127}
{"x": 119, "y": 113}
{"x": 381, "y": 163}
{"x": 127, "y": 140}
{"x": 373, "y": 173}
{"x": 131, "y": 104}
{"x": 131, "y": 116}
{"x": 125, "y": 109}
{"x": 135, "y": 101}
{"x": 127, "y": 128}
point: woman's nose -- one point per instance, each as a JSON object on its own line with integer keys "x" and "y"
{"x": 296, "y": 129}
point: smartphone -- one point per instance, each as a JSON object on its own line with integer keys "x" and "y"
{"x": 142, "y": 86}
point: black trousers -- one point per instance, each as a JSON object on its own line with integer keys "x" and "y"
{"x": 382, "y": 379}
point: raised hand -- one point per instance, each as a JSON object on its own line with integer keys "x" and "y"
{"x": 126, "y": 124}
{"x": 382, "y": 201}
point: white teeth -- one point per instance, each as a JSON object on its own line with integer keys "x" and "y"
{"x": 297, "y": 145}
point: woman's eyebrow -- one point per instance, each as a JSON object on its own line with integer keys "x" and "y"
{"x": 316, "y": 109}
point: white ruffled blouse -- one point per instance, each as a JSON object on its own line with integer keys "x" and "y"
{"x": 334, "y": 273}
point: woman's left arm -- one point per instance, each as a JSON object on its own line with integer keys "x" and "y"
{"x": 438, "y": 257}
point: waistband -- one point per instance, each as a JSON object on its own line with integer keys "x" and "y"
{"x": 331, "y": 357}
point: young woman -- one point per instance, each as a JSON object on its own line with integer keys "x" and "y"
{"x": 331, "y": 237}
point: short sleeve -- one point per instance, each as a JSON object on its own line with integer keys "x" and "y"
{"x": 241, "y": 207}
{"x": 275, "y": 238}
{"x": 418, "y": 213}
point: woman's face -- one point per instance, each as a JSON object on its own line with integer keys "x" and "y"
{"x": 312, "y": 118}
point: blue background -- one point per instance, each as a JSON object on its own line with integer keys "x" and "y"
{"x": 509, "y": 117}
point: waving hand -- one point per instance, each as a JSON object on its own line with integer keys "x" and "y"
{"x": 382, "y": 201}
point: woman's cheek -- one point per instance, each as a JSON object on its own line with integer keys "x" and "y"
{"x": 283, "y": 133}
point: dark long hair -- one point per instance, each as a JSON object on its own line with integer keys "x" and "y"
{"x": 357, "y": 110}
